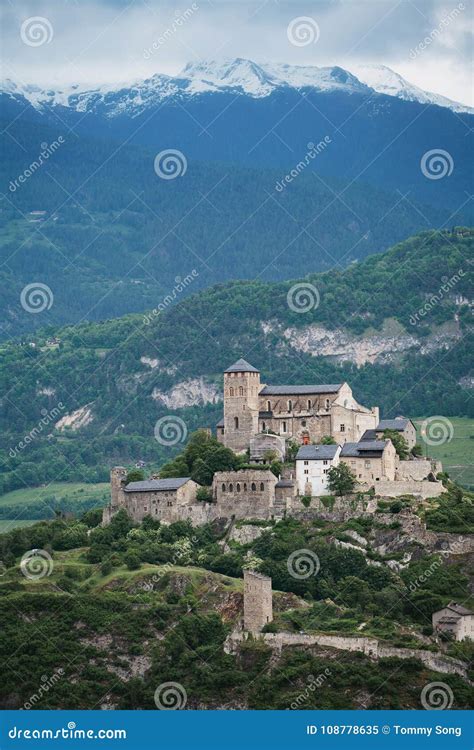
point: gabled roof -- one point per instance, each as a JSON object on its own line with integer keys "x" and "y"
{"x": 459, "y": 609}
{"x": 369, "y": 435}
{"x": 299, "y": 390}
{"x": 157, "y": 485}
{"x": 241, "y": 366}
{"x": 285, "y": 483}
{"x": 315, "y": 452}
{"x": 365, "y": 448}
{"x": 400, "y": 423}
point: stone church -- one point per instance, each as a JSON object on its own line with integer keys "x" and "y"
{"x": 306, "y": 413}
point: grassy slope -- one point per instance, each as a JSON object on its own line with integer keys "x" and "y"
{"x": 456, "y": 455}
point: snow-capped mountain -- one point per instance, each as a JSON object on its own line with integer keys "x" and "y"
{"x": 384, "y": 80}
{"x": 237, "y": 76}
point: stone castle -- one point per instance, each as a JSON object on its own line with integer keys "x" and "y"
{"x": 264, "y": 421}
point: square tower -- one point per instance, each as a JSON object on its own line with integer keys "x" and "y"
{"x": 258, "y": 608}
{"x": 241, "y": 405}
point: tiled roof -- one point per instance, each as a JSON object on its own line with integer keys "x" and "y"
{"x": 299, "y": 390}
{"x": 241, "y": 366}
{"x": 459, "y": 609}
{"x": 363, "y": 448}
{"x": 157, "y": 485}
{"x": 314, "y": 452}
{"x": 392, "y": 424}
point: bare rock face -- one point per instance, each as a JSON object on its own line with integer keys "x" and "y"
{"x": 76, "y": 419}
{"x": 193, "y": 392}
{"x": 246, "y": 534}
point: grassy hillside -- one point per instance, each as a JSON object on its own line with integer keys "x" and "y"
{"x": 116, "y": 372}
{"x": 119, "y": 617}
{"x": 456, "y": 455}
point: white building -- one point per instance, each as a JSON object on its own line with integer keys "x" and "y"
{"x": 312, "y": 466}
{"x": 455, "y": 620}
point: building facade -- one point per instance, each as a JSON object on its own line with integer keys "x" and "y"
{"x": 258, "y": 607}
{"x": 371, "y": 461}
{"x": 454, "y": 620}
{"x": 305, "y": 413}
{"x": 312, "y": 467}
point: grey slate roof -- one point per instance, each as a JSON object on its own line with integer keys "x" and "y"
{"x": 241, "y": 366}
{"x": 392, "y": 424}
{"x": 459, "y": 609}
{"x": 363, "y": 448}
{"x": 369, "y": 435}
{"x": 314, "y": 452}
{"x": 157, "y": 485}
{"x": 298, "y": 390}
{"x": 285, "y": 483}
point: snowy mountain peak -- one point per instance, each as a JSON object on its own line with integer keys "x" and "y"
{"x": 384, "y": 80}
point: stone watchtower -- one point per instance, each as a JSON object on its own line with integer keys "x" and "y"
{"x": 258, "y": 609}
{"x": 241, "y": 405}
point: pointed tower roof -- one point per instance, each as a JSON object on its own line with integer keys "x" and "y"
{"x": 241, "y": 366}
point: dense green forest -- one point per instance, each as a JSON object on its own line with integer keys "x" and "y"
{"x": 99, "y": 365}
{"x": 116, "y": 611}
{"x": 113, "y": 237}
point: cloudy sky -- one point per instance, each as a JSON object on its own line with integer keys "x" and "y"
{"x": 98, "y": 41}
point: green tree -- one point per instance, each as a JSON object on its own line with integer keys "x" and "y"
{"x": 327, "y": 440}
{"x": 135, "y": 475}
{"x": 399, "y": 442}
{"x": 341, "y": 480}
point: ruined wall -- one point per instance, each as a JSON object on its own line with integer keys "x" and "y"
{"x": 258, "y": 608}
{"x": 422, "y": 489}
{"x": 417, "y": 469}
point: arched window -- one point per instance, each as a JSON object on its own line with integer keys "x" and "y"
{"x": 262, "y": 486}
{"x": 327, "y": 403}
{"x": 237, "y": 487}
{"x": 254, "y": 486}
{"x": 231, "y": 487}
{"x": 231, "y": 391}
{"x": 245, "y": 486}
{"x": 241, "y": 391}
{"x": 223, "y": 487}
{"x": 236, "y": 423}
{"x": 290, "y": 405}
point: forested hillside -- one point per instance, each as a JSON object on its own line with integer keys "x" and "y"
{"x": 97, "y": 225}
{"x": 113, "y": 380}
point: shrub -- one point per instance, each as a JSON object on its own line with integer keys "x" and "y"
{"x": 132, "y": 561}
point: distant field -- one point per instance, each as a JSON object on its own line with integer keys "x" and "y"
{"x": 456, "y": 455}
{"x": 27, "y": 506}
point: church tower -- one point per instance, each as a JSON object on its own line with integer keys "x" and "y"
{"x": 241, "y": 405}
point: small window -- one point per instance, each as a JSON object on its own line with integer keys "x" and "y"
{"x": 290, "y": 405}
{"x": 237, "y": 487}
{"x": 283, "y": 427}
{"x": 325, "y": 462}
{"x": 342, "y": 427}
{"x": 145, "y": 508}
{"x": 245, "y": 486}
{"x": 241, "y": 391}
{"x": 231, "y": 391}
{"x": 236, "y": 423}
{"x": 254, "y": 486}
{"x": 231, "y": 487}
{"x": 223, "y": 487}
{"x": 264, "y": 426}
{"x": 327, "y": 403}
{"x": 306, "y": 471}
{"x": 367, "y": 464}
{"x": 303, "y": 422}
{"x": 269, "y": 406}
{"x": 262, "y": 487}
{"x": 309, "y": 404}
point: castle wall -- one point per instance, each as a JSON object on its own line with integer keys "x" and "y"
{"x": 423, "y": 489}
{"x": 417, "y": 469}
